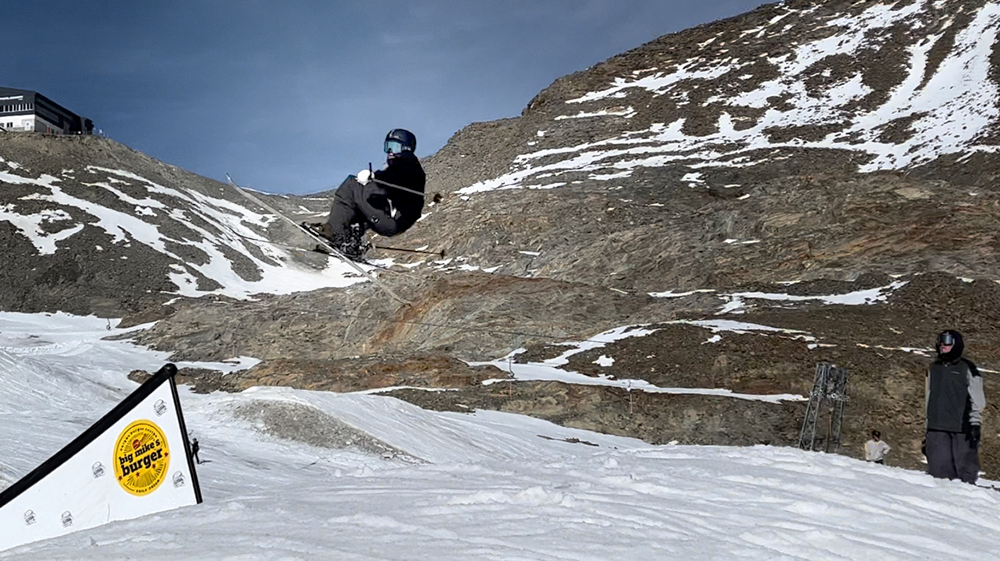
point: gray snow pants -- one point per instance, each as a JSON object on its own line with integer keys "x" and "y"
{"x": 950, "y": 455}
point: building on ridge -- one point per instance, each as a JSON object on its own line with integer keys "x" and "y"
{"x": 28, "y": 111}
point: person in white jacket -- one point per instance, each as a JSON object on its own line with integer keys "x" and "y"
{"x": 876, "y": 448}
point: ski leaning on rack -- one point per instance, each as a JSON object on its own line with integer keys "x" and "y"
{"x": 319, "y": 239}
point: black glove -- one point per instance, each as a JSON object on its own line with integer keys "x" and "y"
{"x": 975, "y": 434}
{"x": 923, "y": 447}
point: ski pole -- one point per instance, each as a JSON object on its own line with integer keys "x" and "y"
{"x": 401, "y": 188}
{"x": 438, "y": 253}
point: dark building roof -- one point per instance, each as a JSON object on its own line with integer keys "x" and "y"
{"x": 26, "y": 102}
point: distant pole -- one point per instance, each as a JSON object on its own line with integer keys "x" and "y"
{"x": 830, "y": 385}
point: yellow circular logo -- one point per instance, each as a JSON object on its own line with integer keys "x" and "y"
{"x": 141, "y": 458}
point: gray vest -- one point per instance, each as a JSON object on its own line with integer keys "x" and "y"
{"x": 948, "y": 403}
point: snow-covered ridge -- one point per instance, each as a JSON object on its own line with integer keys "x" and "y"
{"x": 161, "y": 219}
{"x": 551, "y": 369}
{"x": 945, "y": 107}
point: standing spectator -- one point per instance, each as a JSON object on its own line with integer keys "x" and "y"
{"x": 876, "y": 448}
{"x": 954, "y": 409}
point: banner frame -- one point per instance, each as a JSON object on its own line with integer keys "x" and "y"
{"x": 163, "y": 375}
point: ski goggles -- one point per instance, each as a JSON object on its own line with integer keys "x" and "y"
{"x": 946, "y": 339}
{"x": 393, "y": 147}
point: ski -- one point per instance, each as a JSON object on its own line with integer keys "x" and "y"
{"x": 987, "y": 486}
{"x": 324, "y": 249}
{"x": 319, "y": 239}
{"x": 407, "y": 250}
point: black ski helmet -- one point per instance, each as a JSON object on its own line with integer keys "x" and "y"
{"x": 402, "y": 136}
{"x": 953, "y": 338}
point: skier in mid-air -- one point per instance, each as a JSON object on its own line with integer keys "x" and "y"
{"x": 387, "y": 201}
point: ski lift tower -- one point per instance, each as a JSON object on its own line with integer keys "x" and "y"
{"x": 830, "y": 386}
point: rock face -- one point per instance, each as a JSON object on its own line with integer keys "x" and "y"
{"x": 797, "y": 133}
{"x": 812, "y": 181}
{"x": 91, "y": 226}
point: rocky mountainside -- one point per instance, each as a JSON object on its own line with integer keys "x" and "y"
{"x": 779, "y": 142}
{"x": 663, "y": 245}
{"x": 91, "y": 226}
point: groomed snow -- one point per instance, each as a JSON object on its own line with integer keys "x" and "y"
{"x": 483, "y": 486}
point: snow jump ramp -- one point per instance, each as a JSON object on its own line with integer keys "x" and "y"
{"x": 134, "y": 461}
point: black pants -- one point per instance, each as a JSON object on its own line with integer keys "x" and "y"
{"x": 358, "y": 208}
{"x": 346, "y": 223}
{"x": 950, "y": 455}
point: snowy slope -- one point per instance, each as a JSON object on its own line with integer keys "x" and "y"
{"x": 801, "y": 80}
{"x": 165, "y": 220}
{"x": 481, "y": 486}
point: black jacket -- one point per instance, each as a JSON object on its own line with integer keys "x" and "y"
{"x": 954, "y": 392}
{"x": 389, "y": 209}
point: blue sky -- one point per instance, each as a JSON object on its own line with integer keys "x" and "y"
{"x": 290, "y": 97}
